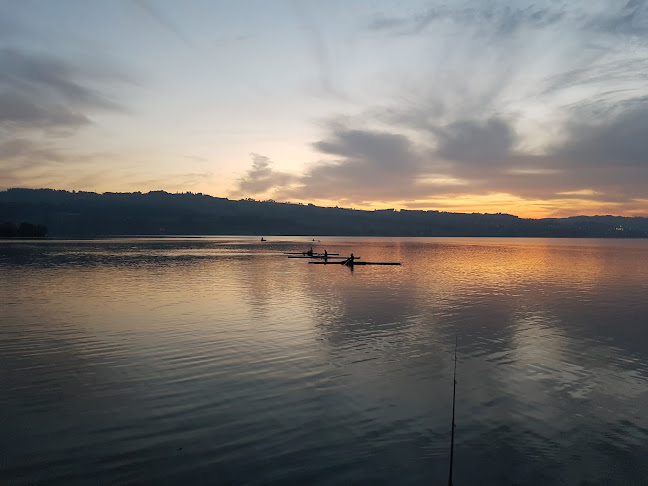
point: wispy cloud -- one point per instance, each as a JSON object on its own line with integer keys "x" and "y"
{"x": 502, "y": 18}
{"x": 43, "y": 163}
{"x": 319, "y": 48}
{"x": 182, "y": 181}
{"x": 162, "y": 20}
{"x": 26, "y": 152}
{"x": 622, "y": 18}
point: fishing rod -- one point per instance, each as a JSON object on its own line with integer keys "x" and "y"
{"x": 454, "y": 394}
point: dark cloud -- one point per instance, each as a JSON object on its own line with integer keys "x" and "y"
{"x": 43, "y": 92}
{"x": 386, "y": 151}
{"x": 369, "y": 166}
{"x": 261, "y": 178}
{"x": 603, "y": 158}
{"x": 618, "y": 140}
{"x": 35, "y": 71}
{"x": 476, "y": 142}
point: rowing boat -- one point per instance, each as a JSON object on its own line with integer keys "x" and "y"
{"x": 306, "y": 253}
{"x": 323, "y": 257}
{"x": 355, "y": 263}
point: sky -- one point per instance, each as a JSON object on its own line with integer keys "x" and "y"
{"x": 536, "y": 109}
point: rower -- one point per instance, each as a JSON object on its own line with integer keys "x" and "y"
{"x": 349, "y": 261}
{"x": 310, "y": 252}
{"x": 325, "y": 254}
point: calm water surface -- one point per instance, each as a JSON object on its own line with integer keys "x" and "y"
{"x": 221, "y": 361}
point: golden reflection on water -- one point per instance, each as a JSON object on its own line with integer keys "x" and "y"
{"x": 260, "y": 283}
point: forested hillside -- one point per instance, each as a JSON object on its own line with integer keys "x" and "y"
{"x": 87, "y": 214}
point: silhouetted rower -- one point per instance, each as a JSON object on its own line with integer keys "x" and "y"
{"x": 349, "y": 261}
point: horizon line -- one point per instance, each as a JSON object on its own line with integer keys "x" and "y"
{"x": 272, "y": 201}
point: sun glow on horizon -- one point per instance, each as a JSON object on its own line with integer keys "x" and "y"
{"x": 492, "y": 204}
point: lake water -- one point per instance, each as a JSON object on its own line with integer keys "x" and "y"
{"x": 218, "y": 360}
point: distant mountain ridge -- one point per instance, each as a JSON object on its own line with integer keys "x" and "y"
{"x": 89, "y": 214}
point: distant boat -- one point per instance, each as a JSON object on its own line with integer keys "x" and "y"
{"x": 263, "y": 239}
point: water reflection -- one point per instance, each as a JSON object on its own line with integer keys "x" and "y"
{"x": 148, "y": 360}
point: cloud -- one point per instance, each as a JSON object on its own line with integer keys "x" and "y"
{"x": 320, "y": 50}
{"x": 44, "y": 99}
{"x": 383, "y": 166}
{"x": 368, "y": 166}
{"x": 43, "y": 92}
{"x": 499, "y": 19}
{"x": 621, "y": 140}
{"x": 179, "y": 181}
{"x": 196, "y": 158}
{"x": 602, "y": 158}
{"x": 630, "y": 18}
{"x": 32, "y": 163}
{"x": 556, "y": 113}
{"x": 25, "y": 111}
{"x": 626, "y": 72}
{"x": 162, "y": 20}
{"x": 602, "y": 162}
{"x": 26, "y": 152}
{"x": 473, "y": 141}
{"x": 261, "y": 178}
{"x": 386, "y": 151}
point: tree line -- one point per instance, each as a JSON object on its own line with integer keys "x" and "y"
{"x": 88, "y": 214}
{"x": 10, "y": 229}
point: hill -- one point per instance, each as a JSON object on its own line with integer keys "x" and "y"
{"x": 88, "y": 214}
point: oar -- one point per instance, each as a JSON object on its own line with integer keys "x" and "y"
{"x": 454, "y": 393}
